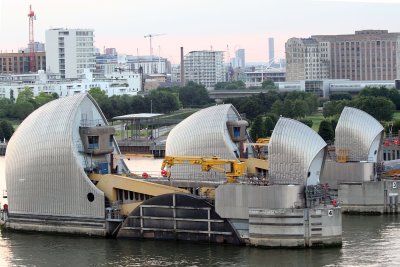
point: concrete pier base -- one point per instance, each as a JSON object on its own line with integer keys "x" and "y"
{"x": 370, "y": 197}
{"x": 57, "y": 224}
{"x": 295, "y": 227}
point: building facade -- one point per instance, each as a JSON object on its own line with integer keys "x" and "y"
{"x": 18, "y": 63}
{"x": 117, "y": 83}
{"x": 255, "y": 78}
{"x": 70, "y": 51}
{"x": 271, "y": 50}
{"x": 148, "y": 64}
{"x": 366, "y": 55}
{"x": 204, "y": 67}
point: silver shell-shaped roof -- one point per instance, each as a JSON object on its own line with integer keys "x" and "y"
{"x": 356, "y": 131}
{"x": 43, "y": 173}
{"x": 292, "y": 149}
{"x": 204, "y": 133}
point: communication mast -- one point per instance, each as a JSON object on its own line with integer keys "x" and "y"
{"x": 31, "y": 16}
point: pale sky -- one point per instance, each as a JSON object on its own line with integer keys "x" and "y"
{"x": 195, "y": 25}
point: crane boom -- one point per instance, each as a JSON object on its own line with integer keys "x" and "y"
{"x": 151, "y": 36}
{"x": 208, "y": 163}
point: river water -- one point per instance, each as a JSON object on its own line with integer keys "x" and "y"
{"x": 367, "y": 241}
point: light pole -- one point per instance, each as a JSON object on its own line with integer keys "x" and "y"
{"x": 151, "y": 106}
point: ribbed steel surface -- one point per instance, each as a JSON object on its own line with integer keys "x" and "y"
{"x": 292, "y": 148}
{"x": 43, "y": 174}
{"x": 355, "y": 131}
{"x": 204, "y": 133}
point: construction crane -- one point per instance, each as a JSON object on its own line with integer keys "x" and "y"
{"x": 208, "y": 163}
{"x": 151, "y": 36}
{"x": 32, "y": 17}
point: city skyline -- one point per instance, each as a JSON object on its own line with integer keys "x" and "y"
{"x": 123, "y": 24}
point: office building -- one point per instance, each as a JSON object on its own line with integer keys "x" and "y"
{"x": 18, "y": 63}
{"x": 69, "y": 52}
{"x": 366, "y": 55}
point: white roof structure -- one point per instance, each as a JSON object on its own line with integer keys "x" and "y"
{"x": 204, "y": 133}
{"x": 359, "y": 133}
{"x": 295, "y": 154}
{"x": 45, "y": 173}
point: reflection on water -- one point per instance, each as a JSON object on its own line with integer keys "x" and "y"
{"x": 367, "y": 241}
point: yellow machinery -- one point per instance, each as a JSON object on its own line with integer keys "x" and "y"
{"x": 208, "y": 163}
{"x": 342, "y": 155}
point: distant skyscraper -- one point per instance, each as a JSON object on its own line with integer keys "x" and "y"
{"x": 240, "y": 58}
{"x": 271, "y": 49}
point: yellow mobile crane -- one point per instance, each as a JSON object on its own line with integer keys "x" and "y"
{"x": 208, "y": 163}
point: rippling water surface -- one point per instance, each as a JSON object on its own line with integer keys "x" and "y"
{"x": 367, "y": 241}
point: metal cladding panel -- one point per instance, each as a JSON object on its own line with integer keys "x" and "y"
{"x": 292, "y": 148}
{"x": 356, "y": 131}
{"x": 204, "y": 133}
{"x": 43, "y": 174}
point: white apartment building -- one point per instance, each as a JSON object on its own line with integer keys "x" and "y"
{"x": 69, "y": 52}
{"x": 121, "y": 83}
{"x": 204, "y": 67}
{"x": 149, "y": 64}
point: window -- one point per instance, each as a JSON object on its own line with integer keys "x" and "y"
{"x": 236, "y": 131}
{"x": 111, "y": 140}
{"x": 93, "y": 142}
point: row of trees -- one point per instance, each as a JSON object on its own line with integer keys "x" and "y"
{"x": 24, "y": 105}
{"x": 291, "y": 105}
{"x": 240, "y": 85}
{"x": 161, "y": 100}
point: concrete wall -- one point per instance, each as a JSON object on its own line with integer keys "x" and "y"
{"x": 374, "y": 197}
{"x": 335, "y": 173}
{"x": 295, "y": 227}
{"x": 234, "y": 200}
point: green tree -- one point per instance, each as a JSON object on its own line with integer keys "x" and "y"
{"x": 340, "y": 96}
{"x": 277, "y": 107}
{"x": 43, "y": 98}
{"x": 97, "y": 94}
{"x": 307, "y": 122}
{"x": 268, "y": 84}
{"x": 335, "y": 107}
{"x": 300, "y": 108}
{"x": 380, "y": 108}
{"x": 7, "y": 130}
{"x": 257, "y": 128}
{"x": 25, "y": 95}
{"x": 288, "y": 108}
{"x": 269, "y": 126}
{"x": 12, "y": 98}
{"x": 162, "y": 101}
{"x": 194, "y": 95}
{"x": 325, "y": 131}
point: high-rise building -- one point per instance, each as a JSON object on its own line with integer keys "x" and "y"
{"x": 69, "y": 52}
{"x": 240, "y": 59}
{"x": 271, "y": 50}
{"x": 203, "y": 67}
{"x": 365, "y": 55}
